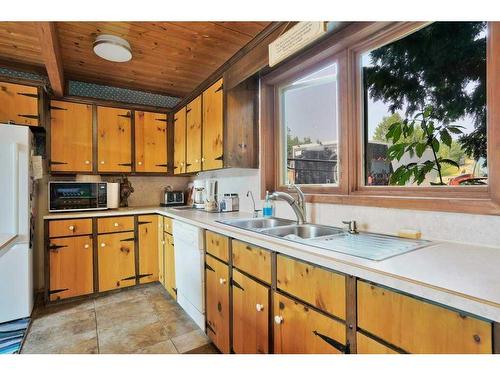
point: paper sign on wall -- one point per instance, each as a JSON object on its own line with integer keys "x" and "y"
{"x": 295, "y": 39}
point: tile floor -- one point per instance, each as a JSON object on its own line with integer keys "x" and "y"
{"x": 143, "y": 319}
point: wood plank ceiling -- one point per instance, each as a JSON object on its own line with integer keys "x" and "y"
{"x": 168, "y": 57}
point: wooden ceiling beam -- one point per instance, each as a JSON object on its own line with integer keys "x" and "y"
{"x": 51, "y": 53}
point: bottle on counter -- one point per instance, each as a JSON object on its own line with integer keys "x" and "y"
{"x": 268, "y": 209}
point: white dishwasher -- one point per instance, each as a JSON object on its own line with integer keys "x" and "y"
{"x": 190, "y": 270}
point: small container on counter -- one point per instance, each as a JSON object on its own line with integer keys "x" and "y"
{"x": 230, "y": 202}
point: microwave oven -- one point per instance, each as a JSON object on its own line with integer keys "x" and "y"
{"x": 80, "y": 196}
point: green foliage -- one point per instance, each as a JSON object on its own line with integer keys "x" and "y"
{"x": 442, "y": 65}
{"x": 433, "y": 136}
{"x": 294, "y": 141}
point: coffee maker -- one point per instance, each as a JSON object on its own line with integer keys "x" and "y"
{"x": 199, "y": 194}
{"x": 211, "y": 201}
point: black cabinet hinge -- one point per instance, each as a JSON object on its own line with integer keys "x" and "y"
{"x": 337, "y": 345}
{"x": 209, "y": 327}
{"x": 128, "y": 115}
{"x": 220, "y": 88}
{"x": 128, "y": 239}
{"x": 143, "y": 222}
{"x": 128, "y": 278}
{"x": 144, "y": 275}
{"x": 54, "y": 108}
{"x": 29, "y": 116}
{"x": 161, "y": 165}
{"x": 234, "y": 283}
{"x": 207, "y": 267}
{"x": 57, "y": 290}
{"x": 220, "y": 157}
{"x": 28, "y": 94}
{"x": 125, "y": 164}
{"x": 53, "y": 162}
{"x": 161, "y": 119}
{"x": 56, "y": 247}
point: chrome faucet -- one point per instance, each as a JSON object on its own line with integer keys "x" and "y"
{"x": 255, "y": 211}
{"x": 298, "y": 205}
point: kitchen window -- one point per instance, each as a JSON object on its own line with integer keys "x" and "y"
{"x": 386, "y": 73}
{"x": 309, "y": 128}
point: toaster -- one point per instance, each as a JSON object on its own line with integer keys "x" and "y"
{"x": 172, "y": 198}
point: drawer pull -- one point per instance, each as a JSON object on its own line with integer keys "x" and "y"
{"x": 102, "y": 161}
{"x": 71, "y": 228}
{"x": 103, "y": 244}
{"x": 116, "y": 224}
{"x": 337, "y": 345}
{"x": 222, "y": 281}
{"x": 86, "y": 246}
{"x": 278, "y": 319}
{"x": 139, "y": 163}
{"x": 259, "y": 307}
{"x": 87, "y": 162}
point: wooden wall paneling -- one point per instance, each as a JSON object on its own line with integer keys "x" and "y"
{"x": 213, "y": 127}
{"x": 70, "y": 137}
{"x": 180, "y": 141}
{"x": 49, "y": 43}
{"x": 150, "y": 141}
{"x": 114, "y": 145}
{"x": 193, "y": 135}
{"x": 241, "y": 130}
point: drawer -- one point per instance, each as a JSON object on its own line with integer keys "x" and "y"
{"x": 317, "y": 286}
{"x": 70, "y": 227}
{"x": 367, "y": 345}
{"x": 299, "y": 329}
{"x": 217, "y": 245}
{"x": 115, "y": 224}
{"x": 167, "y": 224}
{"x": 418, "y": 326}
{"x": 253, "y": 260}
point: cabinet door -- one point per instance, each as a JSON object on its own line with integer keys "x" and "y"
{"x": 71, "y": 267}
{"x": 116, "y": 260}
{"x": 193, "y": 135}
{"x": 418, "y": 326}
{"x": 300, "y": 330}
{"x": 250, "y": 315}
{"x": 180, "y": 141}
{"x": 217, "y": 302}
{"x": 162, "y": 245}
{"x": 148, "y": 248}
{"x": 70, "y": 137}
{"x": 170, "y": 266}
{"x": 213, "y": 127}
{"x": 367, "y": 345}
{"x": 114, "y": 142}
{"x": 19, "y": 104}
{"x": 252, "y": 259}
{"x": 150, "y": 142}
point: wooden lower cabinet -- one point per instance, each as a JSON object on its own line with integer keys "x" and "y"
{"x": 161, "y": 257}
{"x": 169, "y": 266}
{"x": 217, "y": 302}
{"x": 252, "y": 259}
{"x": 71, "y": 267}
{"x": 418, "y": 326}
{"x": 217, "y": 245}
{"x": 251, "y": 312}
{"x": 116, "y": 260}
{"x": 300, "y": 330}
{"x": 148, "y": 248}
{"x": 367, "y": 345}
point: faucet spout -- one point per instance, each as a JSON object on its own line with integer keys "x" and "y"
{"x": 298, "y": 205}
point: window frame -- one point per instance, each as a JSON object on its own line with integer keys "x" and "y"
{"x": 346, "y": 47}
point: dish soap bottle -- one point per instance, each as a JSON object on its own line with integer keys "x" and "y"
{"x": 267, "y": 210}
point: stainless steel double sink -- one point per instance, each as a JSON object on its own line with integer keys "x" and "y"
{"x": 365, "y": 245}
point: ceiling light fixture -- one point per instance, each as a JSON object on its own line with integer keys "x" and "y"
{"x": 112, "y": 48}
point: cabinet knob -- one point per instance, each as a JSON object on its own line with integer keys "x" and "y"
{"x": 71, "y": 228}
{"x": 103, "y": 244}
{"x": 86, "y": 246}
{"x": 115, "y": 224}
{"x": 163, "y": 242}
{"x": 139, "y": 163}
{"x": 278, "y": 319}
{"x": 87, "y": 162}
{"x": 222, "y": 281}
{"x": 202, "y": 159}
{"x": 259, "y": 307}
{"x": 102, "y": 161}
{"x": 196, "y": 161}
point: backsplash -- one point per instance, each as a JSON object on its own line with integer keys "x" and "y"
{"x": 148, "y": 189}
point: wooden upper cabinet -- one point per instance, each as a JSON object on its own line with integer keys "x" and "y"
{"x": 217, "y": 302}
{"x": 251, "y": 313}
{"x": 19, "y": 104}
{"x": 70, "y": 137}
{"x": 70, "y": 267}
{"x": 193, "y": 136}
{"x": 148, "y": 248}
{"x": 114, "y": 140}
{"x": 299, "y": 329}
{"x": 180, "y": 141}
{"x": 150, "y": 142}
{"x": 213, "y": 126}
{"x": 418, "y": 326}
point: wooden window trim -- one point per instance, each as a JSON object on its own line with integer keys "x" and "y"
{"x": 346, "y": 46}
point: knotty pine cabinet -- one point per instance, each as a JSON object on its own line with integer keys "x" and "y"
{"x": 150, "y": 142}
{"x": 213, "y": 126}
{"x": 193, "y": 136}
{"x": 167, "y": 256}
{"x": 217, "y": 302}
{"x": 114, "y": 140}
{"x": 71, "y": 142}
{"x": 147, "y": 229}
{"x": 19, "y": 104}
{"x": 71, "y": 267}
{"x": 180, "y": 141}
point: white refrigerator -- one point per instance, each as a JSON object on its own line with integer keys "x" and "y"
{"x": 16, "y": 222}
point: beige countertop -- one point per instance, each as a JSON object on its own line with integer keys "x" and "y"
{"x": 6, "y": 239}
{"x": 465, "y": 277}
